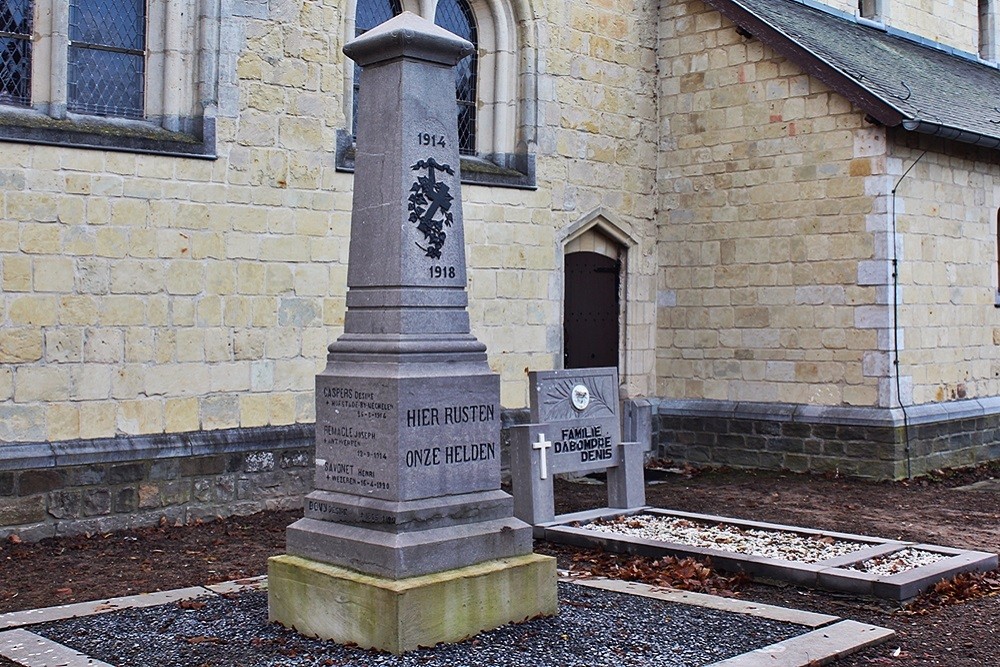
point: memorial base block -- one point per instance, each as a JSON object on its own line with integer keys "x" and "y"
{"x": 397, "y": 615}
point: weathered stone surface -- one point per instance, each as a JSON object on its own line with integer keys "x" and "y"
{"x": 126, "y": 500}
{"x": 128, "y": 472}
{"x": 16, "y": 511}
{"x": 6, "y": 483}
{"x": 321, "y": 600}
{"x": 87, "y": 475}
{"x": 96, "y": 502}
{"x": 203, "y": 465}
{"x": 31, "y": 482}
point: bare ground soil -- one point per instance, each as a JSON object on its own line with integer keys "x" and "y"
{"x": 930, "y": 632}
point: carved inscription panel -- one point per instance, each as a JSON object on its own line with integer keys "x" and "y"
{"x": 355, "y": 424}
{"x": 403, "y": 439}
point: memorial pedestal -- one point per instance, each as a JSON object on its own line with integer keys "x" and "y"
{"x": 407, "y": 539}
{"x": 398, "y": 615}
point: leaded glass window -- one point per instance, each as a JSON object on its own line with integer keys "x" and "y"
{"x": 107, "y": 56}
{"x": 457, "y": 16}
{"x": 370, "y": 13}
{"x": 15, "y": 52}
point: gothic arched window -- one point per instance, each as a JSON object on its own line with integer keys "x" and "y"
{"x": 369, "y": 14}
{"x": 496, "y": 129}
{"x": 457, "y": 17}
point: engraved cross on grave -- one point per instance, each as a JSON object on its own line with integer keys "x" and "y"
{"x": 576, "y": 428}
{"x": 407, "y": 538}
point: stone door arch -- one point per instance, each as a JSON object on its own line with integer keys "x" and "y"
{"x": 595, "y": 254}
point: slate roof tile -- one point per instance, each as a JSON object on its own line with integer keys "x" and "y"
{"x": 890, "y": 75}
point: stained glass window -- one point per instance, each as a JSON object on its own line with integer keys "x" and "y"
{"x": 453, "y": 15}
{"x": 15, "y": 52}
{"x": 457, "y": 16}
{"x": 107, "y": 57}
{"x": 370, "y": 13}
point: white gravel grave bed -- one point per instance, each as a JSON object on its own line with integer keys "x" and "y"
{"x": 896, "y": 562}
{"x": 777, "y": 544}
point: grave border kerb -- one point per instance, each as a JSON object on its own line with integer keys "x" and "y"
{"x": 828, "y": 574}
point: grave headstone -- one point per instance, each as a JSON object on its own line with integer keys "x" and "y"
{"x": 407, "y": 539}
{"x": 575, "y": 428}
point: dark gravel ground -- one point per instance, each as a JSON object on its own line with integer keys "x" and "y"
{"x": 594, "y": 628}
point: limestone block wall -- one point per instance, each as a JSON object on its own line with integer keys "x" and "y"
{"x": 946, "y": 210}
{"x": 954, "y": 24}
{"x": 845, "y": 6}
{"x": 766, "y": 193}
{"x": 142, "y": 294}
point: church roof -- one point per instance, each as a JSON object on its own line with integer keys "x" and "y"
{"x": 894, "y": 77}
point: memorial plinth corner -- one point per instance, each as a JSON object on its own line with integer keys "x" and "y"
{"x": 407, "y": 539}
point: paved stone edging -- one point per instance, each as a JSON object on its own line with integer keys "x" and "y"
{"x": 819, "y": 647}
{"x": 770, "y": 612}
{"x": 28, "y": 649}
{"x": 18, "y": 619}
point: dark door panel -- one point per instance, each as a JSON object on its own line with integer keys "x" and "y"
{"x": 590, "y": 322}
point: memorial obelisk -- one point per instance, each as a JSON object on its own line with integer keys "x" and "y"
{"x": 407, "y": 539}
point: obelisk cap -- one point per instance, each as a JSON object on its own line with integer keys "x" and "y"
{"x": 408, "y": 36}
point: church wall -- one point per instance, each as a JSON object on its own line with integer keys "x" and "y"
{"x": 946, "y": 217}
{"x": 776, "y": 252}
{"x": 144, "y": 298}
{"x": 144, "y": 294}
{"x": 954, "y": 24}
{"x": 765, "y": 202}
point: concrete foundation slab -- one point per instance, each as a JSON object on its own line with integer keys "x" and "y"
{"x": 397, "y": 615}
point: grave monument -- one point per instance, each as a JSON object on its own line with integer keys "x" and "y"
{"x": 576, "y": 428}
{"x": 407, "y": 539}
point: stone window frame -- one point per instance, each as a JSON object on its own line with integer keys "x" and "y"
{"x": 504, "y": 121}
{"x": 996, "y": 258}
{"x": 182, "y": 45}
{"x": 873, "y": 10}
{"x": 989, "y": 22}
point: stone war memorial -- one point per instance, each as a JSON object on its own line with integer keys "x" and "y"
{"x": 407, "y": 538}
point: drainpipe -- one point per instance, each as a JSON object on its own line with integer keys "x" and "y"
{"x": 895, "y": 321}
